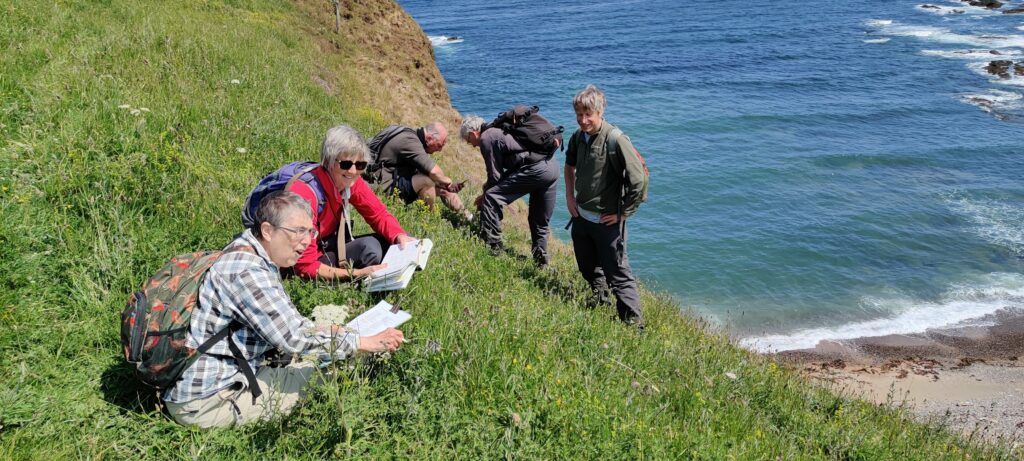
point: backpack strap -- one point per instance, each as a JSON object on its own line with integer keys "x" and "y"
{"x": 611, "y": 145}
{"x": 236, "y": 353}
{"x": 298, "y": 177}
{"x": 235, "y": 325}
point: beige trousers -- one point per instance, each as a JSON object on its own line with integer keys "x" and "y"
{"x": 282, "y": 388}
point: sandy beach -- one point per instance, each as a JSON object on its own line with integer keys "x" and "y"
{"x": 969, "y": 378}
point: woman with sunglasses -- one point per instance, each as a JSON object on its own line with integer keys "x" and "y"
{"x": 334, "y": 188}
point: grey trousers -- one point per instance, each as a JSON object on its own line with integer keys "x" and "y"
{"x": 537, "y": 179}
{"x": 601, "y": 257}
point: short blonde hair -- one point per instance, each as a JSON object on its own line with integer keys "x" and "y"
{"x": 589, "y": 100}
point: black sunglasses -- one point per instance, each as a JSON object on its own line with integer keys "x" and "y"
{"x": 346, "y": 164}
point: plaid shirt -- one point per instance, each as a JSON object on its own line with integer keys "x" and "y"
{"x": 246, "y": 287}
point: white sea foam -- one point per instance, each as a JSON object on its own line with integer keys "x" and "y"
{"x": 878, "y": 22}
{"x": 985, "y": 55}
{"x": 996, "y": 101}
{"x": 877, "y": 40}
{"x": 943, "y": 35}
{"x": 999, "y": 223}
{"x": 440, "y": 40}
{"x": 959, "y": 304}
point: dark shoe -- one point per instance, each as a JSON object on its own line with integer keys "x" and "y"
{"x": 636, "y": 321}
{"x": 540, "y": 259}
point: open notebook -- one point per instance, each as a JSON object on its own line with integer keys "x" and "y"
{"x": 377, "y": 319}
{"x": 401, "y": 264}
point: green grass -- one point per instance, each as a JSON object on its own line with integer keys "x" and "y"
{"x": 504, "y": 360}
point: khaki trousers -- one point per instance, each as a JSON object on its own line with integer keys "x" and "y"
{"x": 282, "y": 389}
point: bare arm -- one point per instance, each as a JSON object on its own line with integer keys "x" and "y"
{"x": 328, "y": 272}
{"x": 439, "y": 177}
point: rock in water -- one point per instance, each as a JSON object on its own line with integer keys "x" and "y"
{"x": 990, "y": 4}
{"x": 1000, "y": 67}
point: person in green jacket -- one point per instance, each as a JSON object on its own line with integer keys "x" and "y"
{"x": 605, "y": 181}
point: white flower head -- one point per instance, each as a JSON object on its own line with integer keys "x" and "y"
{"x": 144, "y": 109}
{"x": 135, "y": 112}
{"x": 330, "y": 314}
{"x": 124, "y": 106}
{"x": 241, "y": 150}
{"x": 235, "y": 81}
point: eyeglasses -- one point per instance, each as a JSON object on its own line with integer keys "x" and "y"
{"x": 346, "y": 164}
{"x": 301, "y": 232}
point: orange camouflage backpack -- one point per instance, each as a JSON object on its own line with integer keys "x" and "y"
{"x": 156, "y": 321}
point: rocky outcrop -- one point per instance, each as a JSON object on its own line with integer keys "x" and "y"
{"x": 1004, "y": 67}
{"x": 990, "y": 4}
{"x": 1014, "y": 11}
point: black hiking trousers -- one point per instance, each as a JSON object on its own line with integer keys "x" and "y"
{"x": 538, "y": 179}
{"x": 601, "y": 257}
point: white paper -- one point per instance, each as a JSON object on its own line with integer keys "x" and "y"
{"x": 401, "y": 264}
{"x": 377, "y": 319}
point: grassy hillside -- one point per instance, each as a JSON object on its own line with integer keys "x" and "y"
{"x": 131, "y": 131}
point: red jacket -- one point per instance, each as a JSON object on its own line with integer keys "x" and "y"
{"x": 328, "y": 220}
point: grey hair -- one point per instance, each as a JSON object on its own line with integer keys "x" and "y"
{"x": 275, "y": 206}
{"x": 590, "y": 99}
{"x": 343, "y": 141}
{"x": 470, "y": 123}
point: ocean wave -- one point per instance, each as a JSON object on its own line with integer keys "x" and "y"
{"x": 877, "y": 40}
{"x": 996, "y": 102}
{"x": 979, "y": 55}
{"x": 999, "y": 223}
{"x": 943, "y": 35}
{"x": 441, "y": 40}
{"x": 963, "y": 303}
{"x": 878, "y": 22}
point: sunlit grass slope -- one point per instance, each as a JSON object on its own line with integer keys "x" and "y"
{"x": 131, "y": 131}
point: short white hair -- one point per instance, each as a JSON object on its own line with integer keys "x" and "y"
{"x": 343, "y": 141}
{"x": 470, "y": 123}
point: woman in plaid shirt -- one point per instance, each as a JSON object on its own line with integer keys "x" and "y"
{"x": 245, "y": 287}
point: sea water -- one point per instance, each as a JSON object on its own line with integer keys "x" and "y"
{"x": 818, "y": 171}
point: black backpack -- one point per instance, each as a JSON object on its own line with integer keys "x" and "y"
{"x": 530, "y": 129}
{"x": 376, "y": 144}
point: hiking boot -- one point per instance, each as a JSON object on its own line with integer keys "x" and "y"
{"x": 637, "y": 322}
{"x": 540, "y": 259}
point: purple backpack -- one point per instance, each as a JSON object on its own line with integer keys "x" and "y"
{"x": 280, "y": 180}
